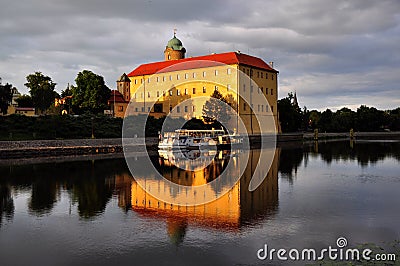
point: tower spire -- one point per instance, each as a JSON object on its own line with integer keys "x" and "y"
{"x": 175, "y": 32}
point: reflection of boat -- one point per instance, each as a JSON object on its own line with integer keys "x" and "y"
{"x": 198, "y": 139}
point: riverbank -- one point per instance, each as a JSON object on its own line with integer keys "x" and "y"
{"x": 91, "y": 147}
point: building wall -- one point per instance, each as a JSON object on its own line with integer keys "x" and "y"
{"x": 171, "y": 88}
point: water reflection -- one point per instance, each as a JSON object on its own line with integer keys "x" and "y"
{"x": 90, "y": 185}
{"x": 237, "y": 207}
{"x": 6, "y": 203}
{"x": 364, "y": 152}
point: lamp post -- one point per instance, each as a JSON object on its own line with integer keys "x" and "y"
{"x": 92, "y": 127}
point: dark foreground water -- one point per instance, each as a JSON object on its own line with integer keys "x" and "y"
{"x": 94, "y": 213}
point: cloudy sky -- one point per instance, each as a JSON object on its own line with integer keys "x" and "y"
{"x": 332, "y": 53}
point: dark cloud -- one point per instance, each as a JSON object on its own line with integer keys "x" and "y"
{"x": 331, "y": 52}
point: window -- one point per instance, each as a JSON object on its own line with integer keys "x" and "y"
{"x": 228, "y": 87}
{"x": 262, "y": 106}
{"x": 262, "y": 89}
{"x": 177, "y": 76}
{"x": 262, "y": 75}
{"x": 186, "y": 109}
{"x": 194, "y": 90}
{"x": 120, "y": 108}
{"x": 170, "y": 92}
{"x": 127, "y": 89}
{"x": 204, "y": 73}
{"x": 170, "y": 108}
{"x": 266, "y": 91}
{"x": 216, "y": 72}
{"x": 216, "y": 88}
{"x": 204, "y": 90}
{"x": 148, "y": 94}
{"x": 194, "y": 74}
{"x": 163, "y": 78}
{"x": 157, "y": 79}
{"x": 228, "y": 71}
{"x": 244, "y": 87}
{"x": 266, "y": 108}
{"x": 244, "y": 106}
{"x": 194, "y": 108}
{"x": 178, "y": 109}
{"x": 169, "y": 57}
{"x": 135, "y": 81}
{"x": 141, "y": 81}
{"x": 186, "y": 91}
{"x": 186, "y": 75}
{"x": 266, "y": 75}
{"x": 136, "y": 109}
{"x": 158, "y": 108}
{"x": 170, "y": 77}
{"x": 158, "y": 94}
{"x": 178, "y": 92}
{"x": 258, "y": 108}
{"x": 258, "y": 74}
{"x": 148, "y": 80}
{"x": 272, "y": 91}
{"x": 127, "y": 97}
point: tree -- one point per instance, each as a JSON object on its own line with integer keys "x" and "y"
{"x": 24, "y": 101}
{"x": 217, "y": 109}
{"x": 5, "y": 97}
{"x": 290, "y": 115}
{"x": 41, "y": 88}
{"x": 91, "y": 93}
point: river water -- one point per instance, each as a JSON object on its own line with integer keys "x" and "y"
{"x": 93, "y": 212}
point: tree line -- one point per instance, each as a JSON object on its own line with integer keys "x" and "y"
{"x": 293, "y": 119}
{"x": 89, "y": 95}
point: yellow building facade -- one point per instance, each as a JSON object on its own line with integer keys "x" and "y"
{"x": 179, "y": 86}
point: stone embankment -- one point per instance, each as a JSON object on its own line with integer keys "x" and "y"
{"x": 45, "y": 148}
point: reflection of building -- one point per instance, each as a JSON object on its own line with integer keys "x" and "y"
{"x": 231, "y": 211}
{"x": 174, "y": 85}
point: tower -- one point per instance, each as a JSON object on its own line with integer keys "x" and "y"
{"x": 174, "y": 49}
{"x": 123, "y": 86}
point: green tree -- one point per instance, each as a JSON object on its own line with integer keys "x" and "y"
{"x": 217, "y": 109}
{"x": 24, "y": 101}
{"x": 5, "y": 97}
{"x": 41, "y": 88}
{"x": 290, "y": 116}
{"x": 91, "y": 93}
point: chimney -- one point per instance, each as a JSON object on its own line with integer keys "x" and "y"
{"x": 271, "y": 64}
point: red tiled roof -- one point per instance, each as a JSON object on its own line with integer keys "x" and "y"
{"x": 119, "y": 98}
{"x": 201, "y": 61}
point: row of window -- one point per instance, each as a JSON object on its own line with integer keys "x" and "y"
{"x": 187, "y": 91}
{"x": 179, "y": 76}
{"x": 259, "y": 74}
{"x": 260, "y": 107}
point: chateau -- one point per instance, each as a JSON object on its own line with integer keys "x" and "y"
{"x": 179, "y": 86}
